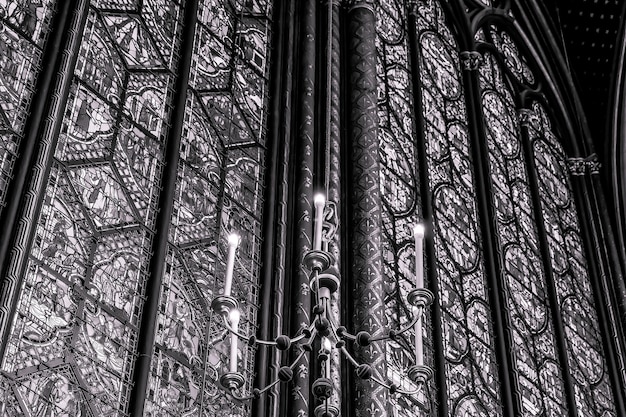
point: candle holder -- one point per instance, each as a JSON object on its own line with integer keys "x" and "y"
{"x": 420, "y": 297}
{"x": 232, "y": 380}
{"x": 223, "y": 304}
{"x": 330, "y": 335}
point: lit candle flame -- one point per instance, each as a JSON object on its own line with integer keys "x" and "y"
{"x": 319, "y": 201}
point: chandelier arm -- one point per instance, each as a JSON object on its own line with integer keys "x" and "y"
{"x": 258, "y": 392}
{"x": 403, "y": 330}
{"x": 420, "y": 386}
{"x": 344, "y": 334}
{"x": 380, "y": 382}
{"x": 349, "y": 357}
{"x": 297, "y": 359}
{"x": 233, "y": 392}
{"x": 270, "y": 386}
{"x": 299, "y": 337}
{"x": 230, "y": 329}
{"x": 266, "y": 342}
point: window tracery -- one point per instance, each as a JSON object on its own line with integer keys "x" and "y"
{"x": 219, "y": 191}
{"x": 470, "y": 368}
{"x": 585, "y": 352}
{"x": 23, "y": 32}
{"x": 399, "y": 191}
{"x": 534, "y": 347}
{"x": 73, "y": 343}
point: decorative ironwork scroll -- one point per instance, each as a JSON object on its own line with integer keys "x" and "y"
{"x": 470, "y": 368}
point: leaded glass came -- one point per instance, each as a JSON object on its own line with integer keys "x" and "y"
{"x": 213, "y": 120}
{"x": 471, "y": 368}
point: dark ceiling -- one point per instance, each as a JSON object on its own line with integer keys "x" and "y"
{"x": 590, "y": 30}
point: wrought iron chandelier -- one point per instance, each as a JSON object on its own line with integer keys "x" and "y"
{"x": 323, "y": 331}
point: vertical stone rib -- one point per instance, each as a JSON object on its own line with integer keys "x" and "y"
{"x": 587, "y": 202}
{"x": 526, "y": 116}
{"x": 33, "y": 166}
{"x": 470, "y": 63}
{"x": 150, "y": 310}
{"x": 333, "y": 181}
{"x": 304, "y": 164}
{"x": 365, "y": 206}
{"x": 268, "y": 360}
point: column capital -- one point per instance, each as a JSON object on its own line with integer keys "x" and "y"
{"x": 527, "y": 117}
{"x": 583, "y": 166}
{"x": 355, "y": 4}
{"x": 470, "y": 60}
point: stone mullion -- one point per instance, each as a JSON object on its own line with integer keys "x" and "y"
{"x": 589, "y": 214}
{"x": 440, "y": 380}
{"x": 470, "y": 62}
{"x": 150, "y": 308}
{"x": 615, "y": 282}
{"x": 525, "y": 116}
{"x": 19, "y": 217}
{"x": 364, "y": 213}
{"x": 268, "y": 360}
{"x": 304, "y": 163}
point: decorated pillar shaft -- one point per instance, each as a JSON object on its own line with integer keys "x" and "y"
{"x": 366, "y": 265}
{"x": 333, "y": 177}
{"x": 299, "y": 401}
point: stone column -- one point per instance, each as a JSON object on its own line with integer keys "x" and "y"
{"x": 363, "y": 191}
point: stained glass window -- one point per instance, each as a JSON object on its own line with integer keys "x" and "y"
{"x": 585, "y": 352}
{"x": 470, "y": 364}
{"x": 24, "y": 29}
{"x": 219, "y": 191}
{"x": 73, "y": 343}
{"x": 83, "y": 270}
{"x": 526, "y": 295}
{"x": 399, "y": 191}
{"x": 585, "y": 357}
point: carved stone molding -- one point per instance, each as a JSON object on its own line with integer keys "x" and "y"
{"x": 470, "y": 60}
{"x": 527, "y": 117}
{"x": 354, "y": 4}
{"x": 582, "y": 166}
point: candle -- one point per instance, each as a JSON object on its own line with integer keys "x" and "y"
{"x": 419, "y": 347}
{"x": 418, "y": 231}
{"x": 234, "y": 324}
{"x": 327, "y": 347}
{"x": 233, "y": 242}
{"x": 319, "y": 201}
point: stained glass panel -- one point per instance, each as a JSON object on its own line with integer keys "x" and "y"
{"x": 219, "y": 191}
{"x": 24, "y": 29}
{"x": 470, "y": 369}
{"x": 73, "y": 343}
{"x": 398, "y": 186}
{"x": 514, "y": 61}
{"x": 585, "y": 353}
{"x": 534, "y": 348}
